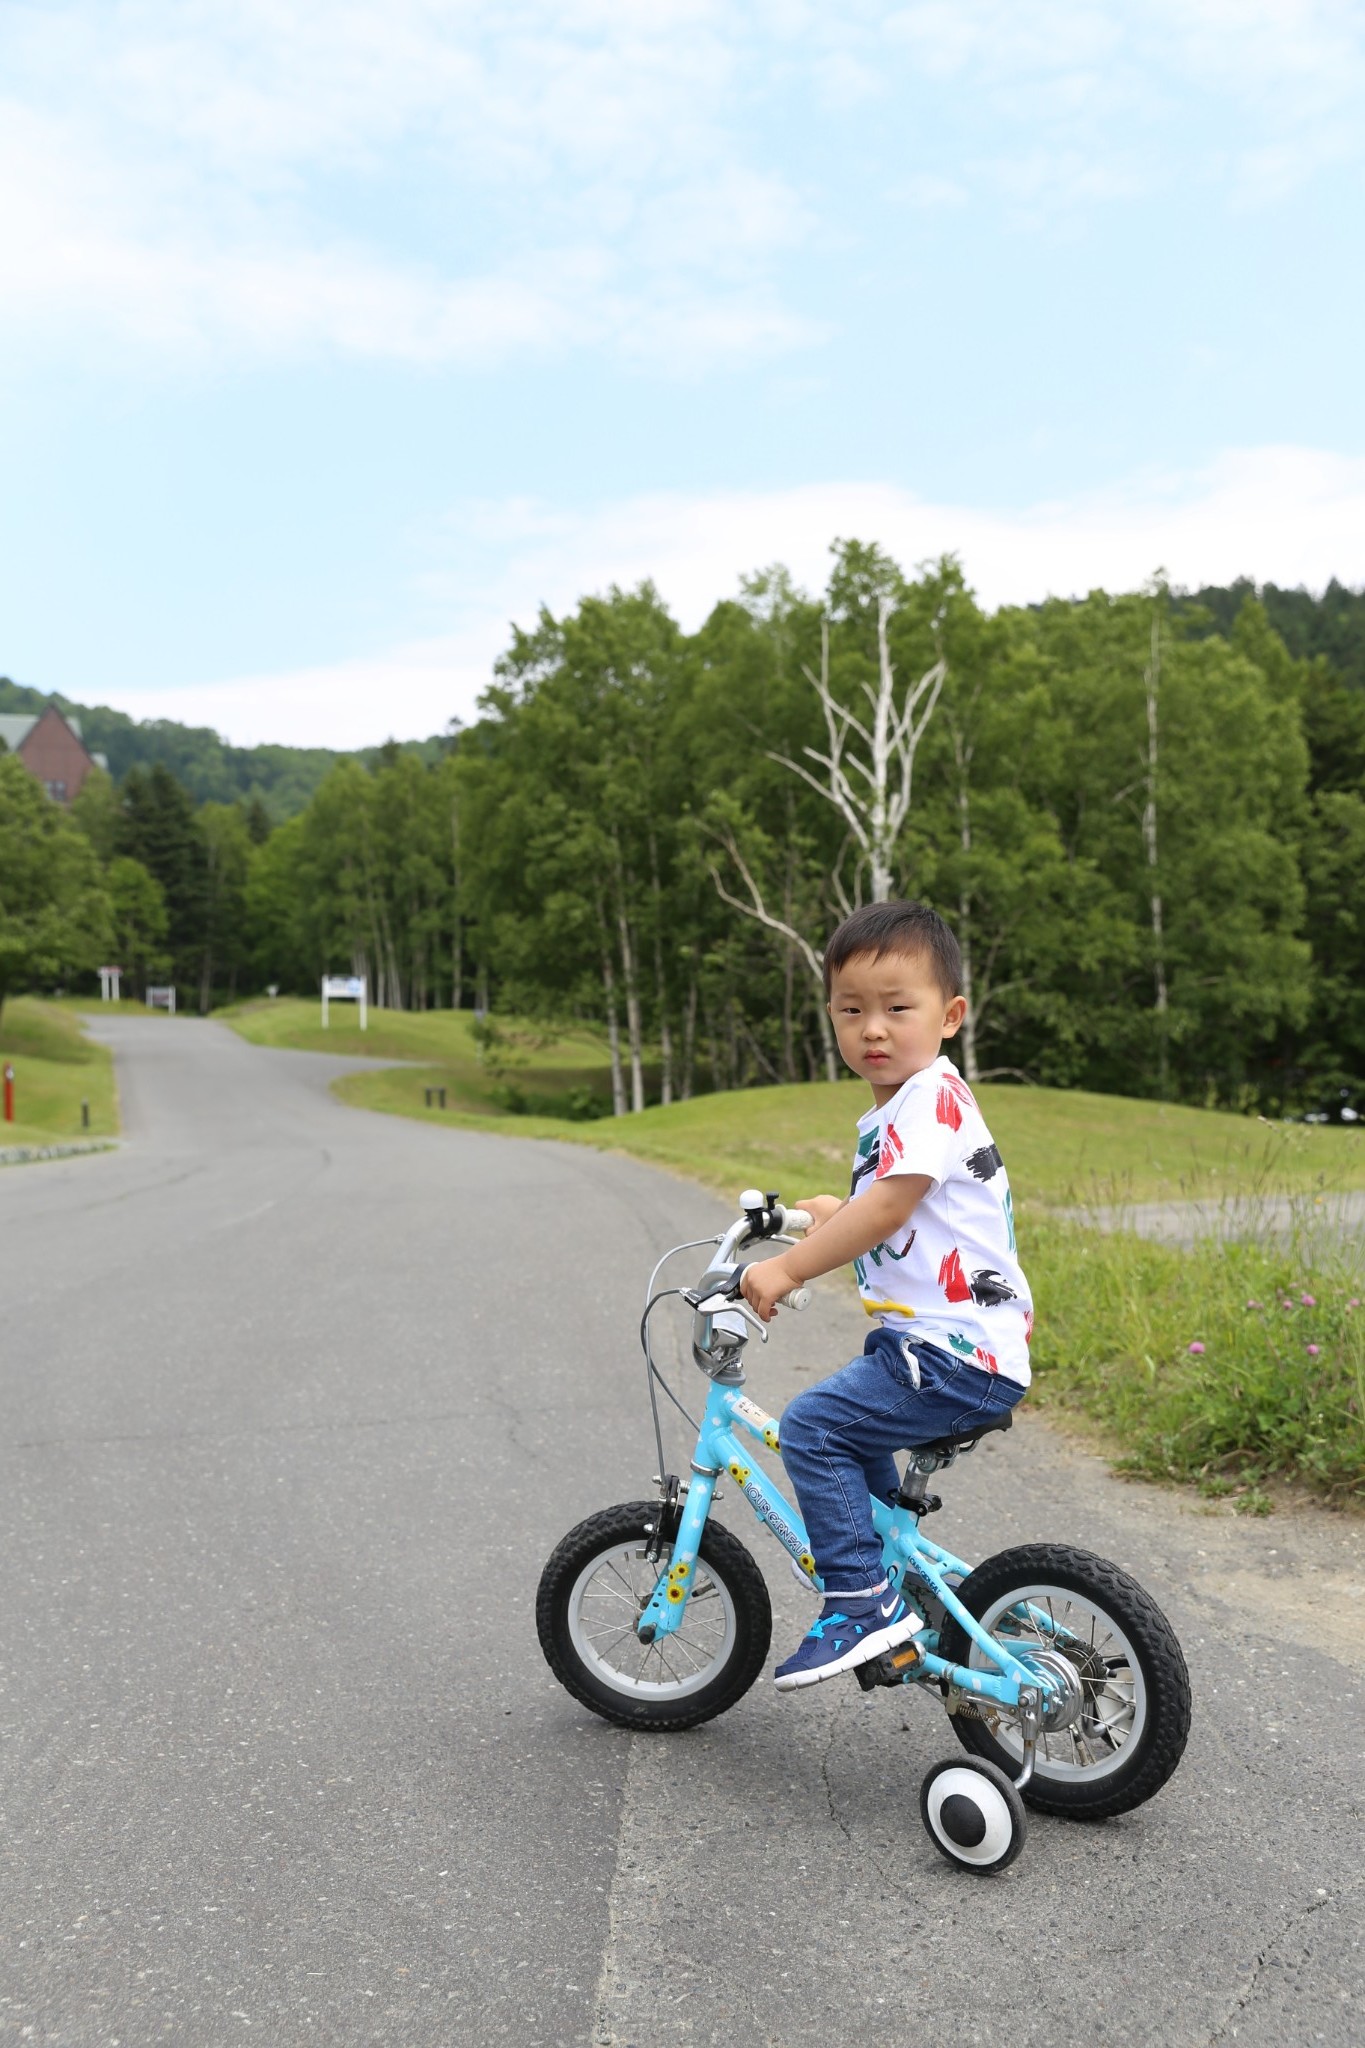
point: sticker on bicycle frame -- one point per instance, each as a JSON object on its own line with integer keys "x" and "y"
{"x": 758, "y": 1418}
{"x": 782, "y": 1529}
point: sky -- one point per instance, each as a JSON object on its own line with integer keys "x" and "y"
{"x": 334, "y": 337}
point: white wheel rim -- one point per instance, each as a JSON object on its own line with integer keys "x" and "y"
{"x": 961, "y": 1782}
{"x": 1115, "y": 1711}
{"x": 605, "y": 1605}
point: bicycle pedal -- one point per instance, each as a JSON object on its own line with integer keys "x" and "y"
{"x": 893, "y": 1667}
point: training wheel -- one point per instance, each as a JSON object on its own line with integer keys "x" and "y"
{"x": 972, "y": 1812}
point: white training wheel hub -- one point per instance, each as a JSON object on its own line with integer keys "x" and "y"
{"x": 973, "y": 1814}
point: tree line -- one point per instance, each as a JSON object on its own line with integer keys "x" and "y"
{"x": 282, "y": 779}
{"x": 1143, "y": 815}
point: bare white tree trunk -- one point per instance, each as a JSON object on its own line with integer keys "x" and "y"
{"x": 631, "y": 983}
{"x": 660, "y": 979}
{"x": 828, "y": 1048}
{"x": 689, "y": 1039}
{"x": 457, "y": 935}
{"x": 618, "y": 1084}
{"x": 963, "y": 749}
{"x": 757, "y": 909}
{"x": 1152, "y": 680}
{"x": 868, "y": 779}
{"x": 633, "y": 1034}
{"x": 869, "y": 766}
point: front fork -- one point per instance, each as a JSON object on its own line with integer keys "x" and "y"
{"x": 668, "y": 1602}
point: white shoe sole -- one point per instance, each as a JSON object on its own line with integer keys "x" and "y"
{"x": 862, "y": 1653}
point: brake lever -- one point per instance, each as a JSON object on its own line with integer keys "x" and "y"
{"x": 734, "y": 1304}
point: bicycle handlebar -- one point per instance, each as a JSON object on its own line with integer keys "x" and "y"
{"x": 795, "y": 1219}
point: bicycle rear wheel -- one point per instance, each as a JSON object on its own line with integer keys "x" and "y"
{"x": 595, "y": 1587}
{"x": 1123, "y": 1714}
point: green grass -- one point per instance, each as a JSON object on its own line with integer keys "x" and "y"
{"x": 55, "y": 1067}
{"x": 1232, "y": 1367}
{"x": 557, "y": 1063}
{"x": 1061, "y": 1147}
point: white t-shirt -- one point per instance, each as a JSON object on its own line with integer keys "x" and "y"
{"x": 952, "y": 1275}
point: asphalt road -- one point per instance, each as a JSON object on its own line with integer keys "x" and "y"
{"x": 294, "y": 1401}
{"x": 1312, "y": 1221}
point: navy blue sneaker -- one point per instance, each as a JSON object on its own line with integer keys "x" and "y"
{"x": 848, "y": 1633}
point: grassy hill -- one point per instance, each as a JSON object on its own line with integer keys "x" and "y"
{"x": 1062, "y": 1146}
{"x": 482, "y": 1071}
{"x": 56, "y": 1067}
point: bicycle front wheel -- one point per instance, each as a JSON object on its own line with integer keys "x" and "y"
{"x": 592, "y": 1593}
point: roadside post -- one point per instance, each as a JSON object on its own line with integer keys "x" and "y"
{"x": 344, "y": 988}
{"x": 9, "y": 1093}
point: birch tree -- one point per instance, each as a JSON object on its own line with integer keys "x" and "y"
{"x": 864, "y": 771}
{"x": 1151, "y": 679}
{"x": 867, "y": 766}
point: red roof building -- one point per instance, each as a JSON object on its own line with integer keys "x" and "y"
{"x": 50, "y": 747}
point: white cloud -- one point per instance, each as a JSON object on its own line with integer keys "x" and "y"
{"x": 193, "y": 176}
{"x": 1125, "y": 96}
{"x": 1286, "y": 515}
{"x": 192, "y": 173}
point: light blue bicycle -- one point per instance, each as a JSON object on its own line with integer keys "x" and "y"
{"x": 1062, "y": 1678}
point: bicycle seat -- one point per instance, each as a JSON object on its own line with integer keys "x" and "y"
{"x": 949, "y": 1446}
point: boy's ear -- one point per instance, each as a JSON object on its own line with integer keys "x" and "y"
{"x": 953, "y": 1016}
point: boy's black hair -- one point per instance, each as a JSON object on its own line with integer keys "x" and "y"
{"x": 880, "y": 928}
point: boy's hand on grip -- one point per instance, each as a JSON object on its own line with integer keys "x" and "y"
{"x": 763, "y": 1283}
{"x": 820, "y": 1208}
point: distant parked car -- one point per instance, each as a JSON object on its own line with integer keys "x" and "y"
{"x": 1347, "y": 1106}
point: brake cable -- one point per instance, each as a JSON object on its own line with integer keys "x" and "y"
{"x": 652, "y": 1374}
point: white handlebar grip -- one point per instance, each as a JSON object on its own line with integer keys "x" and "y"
{"x": 798, "y": 1298}
{"x": 797, "y": 1219}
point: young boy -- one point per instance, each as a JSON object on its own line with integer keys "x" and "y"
{"x": 929, "y": 1227}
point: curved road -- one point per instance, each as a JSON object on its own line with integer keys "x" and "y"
{"x": 293, "y": 1403}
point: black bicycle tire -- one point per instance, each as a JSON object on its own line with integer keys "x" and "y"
{"x": 722, "y": 1554}
{"x": 1161, "y": 1745}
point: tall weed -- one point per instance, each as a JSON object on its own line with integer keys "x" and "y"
{"x": 1229, "y": 1364}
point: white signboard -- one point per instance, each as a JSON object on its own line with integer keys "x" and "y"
{"x": 344, "y": 988}
{"x": 161, "y": 999}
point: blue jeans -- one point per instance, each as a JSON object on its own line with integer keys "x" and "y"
{"x": 838, "y": 1436}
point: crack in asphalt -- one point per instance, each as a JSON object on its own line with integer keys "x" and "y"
{"x": 865, "y": 1854}
{"x": 1263, "y": 1958}
{"x": 604, "y": 2027}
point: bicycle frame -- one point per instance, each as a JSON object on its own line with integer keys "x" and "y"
{"x": 906, "y": 1552}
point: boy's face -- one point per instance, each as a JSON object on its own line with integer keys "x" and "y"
{"x": 890, "y": 1017}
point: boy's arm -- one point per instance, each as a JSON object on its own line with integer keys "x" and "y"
{"x": 852, "y": 1230}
